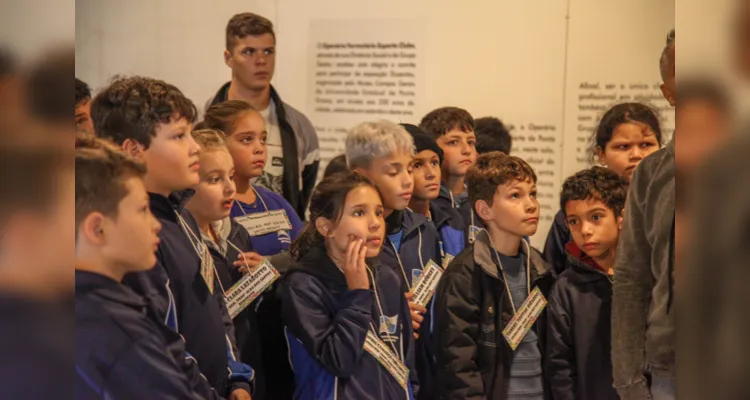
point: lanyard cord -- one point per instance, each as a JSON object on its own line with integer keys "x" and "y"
{"x": 201, "y": 254}
{"x": 401, "y": 265}
{"x": 505, "y": 281}
{"x": 257, "y": 195}
{"x": 380, "y": 308}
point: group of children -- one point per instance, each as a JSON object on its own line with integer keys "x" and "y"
{"x": 412, "y": 278}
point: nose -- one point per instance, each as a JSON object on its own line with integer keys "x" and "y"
{"x": 586, "y": 228}
{"x": 531, "y": 205}
{"x": 466, "y": 148}
{"x": 195, "y": 149}
{"x": 375, "y": 222}
{"x": 636, "y": 153}
{"x": 230, "y": 188}
{"x": 430, "y": 172}
{"x": 407, "y": 180}
{"x": 156, "y": 224}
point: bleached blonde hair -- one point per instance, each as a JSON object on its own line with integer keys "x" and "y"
{"x": 370, "y": 140}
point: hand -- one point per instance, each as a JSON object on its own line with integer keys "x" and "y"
{"x": 416, "y": 314}
{"x": 355, "y": 269}
{"x": 249, "y": 259}
{"x": 240, "y": 394}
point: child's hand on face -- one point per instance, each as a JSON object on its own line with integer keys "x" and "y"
{"x": 355, "y": 269}
{"x": 416, "y": 314}
{"x": 247, "y": 262}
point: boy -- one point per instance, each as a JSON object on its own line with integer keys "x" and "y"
{"x": 383, "y": 151}
{"x": 151, "y": 120}
{"x": 492, "y": 135}
{"x": 120, "y": 350}
{"x": 293, "y": 157}
{"x": 83, "y": 107}
{"x": 488, "y": 284}
{"x": 578, "y": 361}
{"x": 453, "y": 130}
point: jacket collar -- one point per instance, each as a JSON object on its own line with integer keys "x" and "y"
{"x": 483, "y": 257}
{"x": 167, "y": 207}
{"x": 107, "y": 288}
{"x": 404, "y": 220}
{"x": 317, "y": 263}
{"x": 584, "y": 264}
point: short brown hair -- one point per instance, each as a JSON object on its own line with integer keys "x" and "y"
{"x": 247, "y": 24}
{"x": 443, "y": 120}
{"x": 101, "y": 171}
{"x": 224, "y": 116}
{"x": 492, "y": 170}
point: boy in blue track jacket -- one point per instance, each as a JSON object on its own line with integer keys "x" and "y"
{"x": 340, "y": 309}
{"x": 151, "y": 120}
{"x": 120, "y": 349}
{"x": 384, "y": 152}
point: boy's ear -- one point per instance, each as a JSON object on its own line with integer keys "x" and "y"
{"x": 484, "y": 210}
{"x": 133, "y": 148}
{"x": 362, "y": 172}
{"x": 92, "y": 228}
{"x": 619, "y": 220}
{"x": 600, "y": 156}
{"x": 324, "y": 227}
{"x": 228, "y": 58}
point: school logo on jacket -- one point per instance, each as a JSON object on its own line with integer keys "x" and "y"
{"x": 388, "y": 327}
{"x": 283, "y": 237}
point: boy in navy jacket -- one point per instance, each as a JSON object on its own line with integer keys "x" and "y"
{"x": 453, "y": 130}
{"x": 151, "y": 120}
{"x": 120, "y": 350}
{"x": 384, "y": 152}
{"x": 578, "y": 361}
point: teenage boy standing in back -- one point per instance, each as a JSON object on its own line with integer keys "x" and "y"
{"x": 292, "y": 143}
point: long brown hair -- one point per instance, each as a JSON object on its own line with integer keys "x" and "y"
{"x": 328, "y": 200}
{"x": 224, "y": 116}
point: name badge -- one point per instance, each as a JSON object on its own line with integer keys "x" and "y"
{"x": 266, "y": 222}
{"x": 386, "y": 358}
{"x": 447, "y": 260}
{"x": 473, "y": 232}
{"x": 207, "y": 269}
{"x": 427, "y": 283}
{"x": 249, "y": 287}
{"x": 416, "y": 273}
{"x": 524, "y": 318}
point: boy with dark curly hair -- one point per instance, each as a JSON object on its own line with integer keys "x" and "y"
{"x": 577, "y": 360}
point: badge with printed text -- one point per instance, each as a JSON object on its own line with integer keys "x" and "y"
{"x": 416, "y": 273}
{"x": 447, "y": 260}
{"x": 259, "y": 224}
{"x": 378, "y": 349}
{"x": 428, "y": 281}
{"x": 473, "y": 232}
{"x": 524, "y": 318}
{"x": 249, "y": 287}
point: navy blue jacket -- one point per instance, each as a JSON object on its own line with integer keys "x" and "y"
{"x": 121, "y": 350}
{"x": 451, "y": 230}
{"x": 420, "y": 242}
{"x": 179, "y": 296}
{"x": 326, "y": 327}
{"x": 461, "y": 204}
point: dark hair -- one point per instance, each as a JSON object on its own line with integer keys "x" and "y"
{"x": 667, "y": 63}
{"x": 224, "y": 116}
{"x": 49, "y": 89}
{"x": 621, "y": 114}
{"x": 702, "y": 89}
{"x": 492, "y": 170}
{"x": 597, "y": 183}
{"x": 443, "y": 120}
{"x": 247, "y": 24}
{"x": 132, "y": 108}
{"x": 492, "y": 135}
{"x": 336, "y": 165}
{"x": 101, "y": 172}
{"x": 328, "y": 201}
{"x": 83, "y": 92}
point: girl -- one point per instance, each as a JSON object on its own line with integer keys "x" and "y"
{"x": 227, "y": 242}
{"x": 346, "y": 318}
{"x": 627, "y": 133}
{"x": 269, "y": 220}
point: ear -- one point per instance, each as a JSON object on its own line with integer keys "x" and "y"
{"x": 667, "y": 94}
{"x": 619, "y": 220}
{"x": 93, "y": 229}
{"x": 599, "y": 153}
{"x": 324, "y": 227}
{"x": 133, "y": 149}
{"x": 484, "y": 211}
{"x": 228, "y": 58}
{"x": 363, "y": 172}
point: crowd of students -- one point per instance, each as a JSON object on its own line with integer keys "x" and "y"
{"x": 198, "y": 275}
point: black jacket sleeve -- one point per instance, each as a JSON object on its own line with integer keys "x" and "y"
{"x": 338, "y": 342}
{"x": 560, "y": 354}
{"x": 554, "y": 247}
{"x": 458, "y": 319}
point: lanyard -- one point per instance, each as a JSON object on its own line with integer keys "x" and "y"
{"x": 505, "y": 281}
{"x": 257, "y": 195}
{"x": 398, "y": 257}
{"x": 201, "y": 254}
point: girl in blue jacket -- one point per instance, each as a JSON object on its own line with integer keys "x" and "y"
{"x": 348, "y": 324}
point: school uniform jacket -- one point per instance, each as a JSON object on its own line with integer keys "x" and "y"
{"x": 420, "y": 242}
{"x": 554, "y": 247}
{"x": 578, "y": 362}
{"x": 451, "y": 229}
{"x": 299, "y": 143}
{"x": 473, "y": 358}
{"x": 179, "y": 296}
{"x": 120, "y": 350}
{"x": 327, "y": 324}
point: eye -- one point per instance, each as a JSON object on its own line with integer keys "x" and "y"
{"x": 533, "y": 194}
{"x": 145, "y": 209}
{"x": 248, "y": 51}
{"x": 453, "y": 142}
{"x": 514, "y": 196}
{"x": 269, "y": 51}
{"x": 623, "y": 147}
{"x": 596, "y": 217}
{"x": 646, "y": 144}
{"x": 572, "y": 222}
{"x": 358, "y": 213}
{"x": 180, "y": 136}
{"x": 379, "y": 213}
{"x": 435, "y": 163}
{"x": 247, "y": 140}
{"x": 416, "y": 165}
{"x": 213, "y": 180}
{"x": 472, "y": 142}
